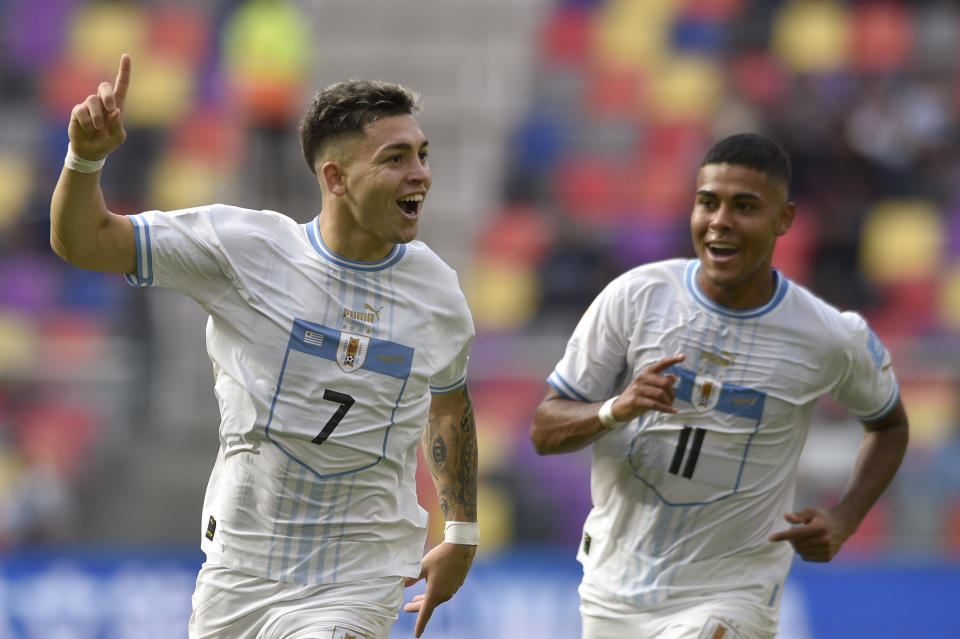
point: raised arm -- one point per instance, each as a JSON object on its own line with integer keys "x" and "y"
{"x": 818, "y": 534}
{"x": 450, "y": 447}
{"x": 82, "y": 230}
{"x": 563, "y": 425}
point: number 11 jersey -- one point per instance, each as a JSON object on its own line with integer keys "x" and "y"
{"x": 683, "y": 503}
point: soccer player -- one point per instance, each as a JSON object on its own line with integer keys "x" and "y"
{"x": 336, "y": 345}
{"x": 694, "y": 381}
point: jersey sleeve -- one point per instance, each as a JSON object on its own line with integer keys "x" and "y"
{"x": 595, "y": 356}
{"x": 182, "y": 250}
{"x": 461, "y": 331}
{"x": 868, "y": 387}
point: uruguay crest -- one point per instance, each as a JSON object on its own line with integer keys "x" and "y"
{"x": 706, "y": 393}
{"x": 352, "y": 351}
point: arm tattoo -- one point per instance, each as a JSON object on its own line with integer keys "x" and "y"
{"x": 467, "y": 474}
{"x": 439, "y": 452}
{"x": 451, "y": 450}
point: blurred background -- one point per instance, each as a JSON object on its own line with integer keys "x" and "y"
{"x": 564, "y": 137}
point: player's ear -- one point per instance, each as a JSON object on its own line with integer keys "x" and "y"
{"x": 785, "y": 218}
{"x": 331, "y": 177}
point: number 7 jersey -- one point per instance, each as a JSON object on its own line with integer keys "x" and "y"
{"x": 324, "y": 370}
{"x": 683, "y": 503}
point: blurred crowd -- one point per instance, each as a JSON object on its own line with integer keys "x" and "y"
{"x": 624, "y": 97}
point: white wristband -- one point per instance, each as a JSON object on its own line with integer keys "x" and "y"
{"x": 606, "y": 414}
{"x": 466, "y": 533}
{"x": 76, "y": 163}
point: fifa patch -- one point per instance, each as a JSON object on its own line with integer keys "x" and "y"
{"x": 211, "y": 527}
{"x": 343, "y": 633}
{"x": 716, "y": 628}
{"x": 706, "y": 393}
{"x": 586, "y": 544}
{"x": 352, "y": 351}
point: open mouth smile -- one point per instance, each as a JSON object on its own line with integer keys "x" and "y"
{"x": 721, "y": 251}
{"x": 410, "y": 205}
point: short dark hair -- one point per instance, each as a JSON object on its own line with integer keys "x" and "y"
{"x": 752, "y": 151}
{"x": 346, "y": 108}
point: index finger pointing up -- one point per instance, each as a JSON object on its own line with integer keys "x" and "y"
{"x": 123, "y": 81}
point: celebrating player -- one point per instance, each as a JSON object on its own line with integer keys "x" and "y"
{"x": 336, "y": 345}
{"x": 694, "y": 380}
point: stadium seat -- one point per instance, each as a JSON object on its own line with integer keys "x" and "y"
{"x": 633, "y": 34}
{"x": 16, "y": 184}
{"x": 949, "y": 298}
{"x": 881, "y": 37}
{"x": 59, "y": 435}
{"x": 812, "y": 36}
{"x": 179, "y": 32}
{"x": 759, "y": 77}
{"x": 32, "y": 32}
{"x": 503, "y": 294}
{"x": 686, "y": 89}
{"x": 901, "y": 241}
{"x": 564, "y": 37}
{"x": 517, "y": 233}
{"x": 100, "y": 31}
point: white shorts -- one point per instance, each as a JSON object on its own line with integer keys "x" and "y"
{"x": 228, "y": 604}
{"x": 720, "y": 618}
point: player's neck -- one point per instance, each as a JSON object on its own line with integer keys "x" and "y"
{"x": 751, "y": 293}
{"x": 350, "y": 242}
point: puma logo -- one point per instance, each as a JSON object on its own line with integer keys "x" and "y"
{"x": 369, "y": 316}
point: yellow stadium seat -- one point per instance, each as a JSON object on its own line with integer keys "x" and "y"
{"x": 180, "y": 181}
{"x": 16, "y": 181}
{"x": 686, "y": 89}
{"x": 101, "y": 31}
{"x": 812, "y": 36}
{"x": 633, "y": 33}
{"x": 18, "y": 343}
{"x": 503, "y": 295}
{"x": 901, "y": 241}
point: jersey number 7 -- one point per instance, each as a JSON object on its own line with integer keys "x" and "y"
{"x": 345, "y": 401}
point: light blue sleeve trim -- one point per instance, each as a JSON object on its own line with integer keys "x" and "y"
{"x": 443, "y": 390}
{"x": 883, "y": 412}
{"x": 141, "y": 238}
{"x": 564, "y": 388}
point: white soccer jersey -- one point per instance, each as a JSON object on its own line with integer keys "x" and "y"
{"x": 683, "y": 503}
{"x": 324, "y": 369}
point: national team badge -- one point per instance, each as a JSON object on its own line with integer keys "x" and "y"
{"x": 352, "y": 351}
{"x": 706, "y": 393}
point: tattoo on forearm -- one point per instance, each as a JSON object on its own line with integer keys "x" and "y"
{"x": 439, "y": 452}
{"x": 452, "y": 459}
{"x": 467, "y": 423}
{"x": 467, "y": 474}
{"x": 444, "y": 508}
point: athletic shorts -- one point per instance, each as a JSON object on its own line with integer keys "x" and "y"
{"x": 721, "y": 618}
{"x": 228, "y": 604}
